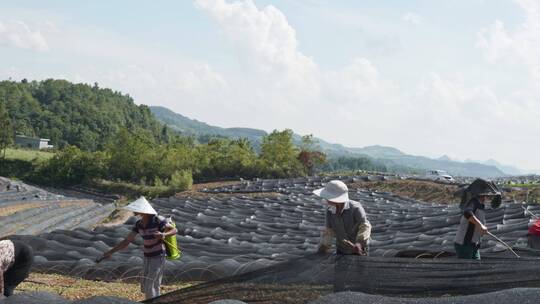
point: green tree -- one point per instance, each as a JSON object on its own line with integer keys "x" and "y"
{"x": 131, "y": 156}
{"x": 71, "y": 166}
{"x": 165, "y": 136}
{"x": 6, "y": 131}
{"x": 279, "y": 154}
{"x": 310, "y": 157}
{"x": 74, "y": 114}
{"x": 225, "y": 158}
{"x": 181, "y": 180}
{"x": 354, "y": 163}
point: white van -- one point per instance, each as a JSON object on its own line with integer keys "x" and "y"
{"x": 440, "y": 175}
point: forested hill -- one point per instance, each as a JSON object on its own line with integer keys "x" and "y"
{"x": 77, "y": 114}
{"x": 192, "y": 127}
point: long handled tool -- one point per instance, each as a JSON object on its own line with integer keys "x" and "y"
{"x": 502, "y": 242}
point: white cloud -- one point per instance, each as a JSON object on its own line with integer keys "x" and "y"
{"x": 201, "y": 78}
{"x": 412, "y": 18}
{"x": 358, "y": 104}
{"x": 192, "y": 87}
{"x": 357, "y": 84}
{"x": 17, "y": 34}
{"x": 515, "y": 46}
{"x": 266, "y": 44}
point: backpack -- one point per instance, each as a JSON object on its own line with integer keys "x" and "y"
{"x": 172, "y": 249}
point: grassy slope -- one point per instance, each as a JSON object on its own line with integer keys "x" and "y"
{"x": 28, "y": 155}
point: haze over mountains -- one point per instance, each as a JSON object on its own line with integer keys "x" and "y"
{"x": 388, "y": 155}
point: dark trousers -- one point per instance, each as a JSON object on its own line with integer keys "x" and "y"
{"x": 467, "y": 251}
{"x": 534, "y": 241}
{"x": 18, "y": 272}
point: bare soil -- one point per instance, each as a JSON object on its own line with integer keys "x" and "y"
{"x": 77, "y": 288}
{"x": 431, "y": 192}
{"x": 425, "y": 191}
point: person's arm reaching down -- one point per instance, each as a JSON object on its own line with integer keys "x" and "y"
{"x": 123, "y": 244}
{"x": 327, "y": 236}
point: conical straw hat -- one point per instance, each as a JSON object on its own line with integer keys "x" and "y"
{"x": 141, "y": 205}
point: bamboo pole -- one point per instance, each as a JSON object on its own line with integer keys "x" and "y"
{"x": 502, "y": 242}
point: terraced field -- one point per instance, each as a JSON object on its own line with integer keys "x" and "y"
{"x": 231, "y": 235}
{"x": 246, "y": 230}
{"x": 27, "y": 210}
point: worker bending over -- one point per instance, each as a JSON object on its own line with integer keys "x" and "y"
{"x": 346, "y": 221}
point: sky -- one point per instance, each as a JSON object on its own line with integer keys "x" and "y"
{"x": 457, "y": 78}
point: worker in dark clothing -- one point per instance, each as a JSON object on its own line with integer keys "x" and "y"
{"x": 473, "y": 221}
{"x": 16, "y": 259}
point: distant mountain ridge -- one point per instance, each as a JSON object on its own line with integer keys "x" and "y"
{"x": 188, "y": 126}
{"x": 506, "y": 168}
{"x": 387, "y": 155}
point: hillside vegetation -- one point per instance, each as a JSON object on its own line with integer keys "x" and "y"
{"x": 102, "y": 139}
{"x": 73, "y": 114}
{"x": 381, "y": 158}
{"x": 28, "y": 155}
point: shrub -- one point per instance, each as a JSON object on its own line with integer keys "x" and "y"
{"x": 69, "y": 167}
{"x": 181, "y": 180}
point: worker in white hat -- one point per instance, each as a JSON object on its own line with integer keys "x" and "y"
{"x": 153, "y": 229}
{"x": 346, "y": 221}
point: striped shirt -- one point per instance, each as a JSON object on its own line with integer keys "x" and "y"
{"x": 7, "y": 255}
{"x": 152, "y": 246}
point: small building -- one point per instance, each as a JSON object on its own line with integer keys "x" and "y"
{"x": 32, "y": 142}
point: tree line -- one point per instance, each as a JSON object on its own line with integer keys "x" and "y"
{"x": 137, "y": 158}
{"x": 100, "y": 134}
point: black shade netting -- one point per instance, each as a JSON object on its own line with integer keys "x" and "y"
{"x": 305, "y": 279}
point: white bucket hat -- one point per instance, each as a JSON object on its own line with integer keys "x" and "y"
{"x": 141, "y": 205}
{"x": 335, "y": 191}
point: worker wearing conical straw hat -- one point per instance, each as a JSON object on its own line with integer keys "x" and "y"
{"x": 152, "y": 229}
